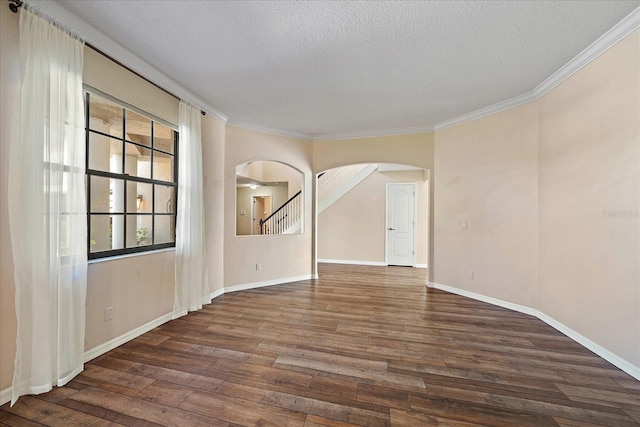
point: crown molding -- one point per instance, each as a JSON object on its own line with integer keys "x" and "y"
{"x": 371, "y": 133}
{"x": 486, "y": 111}
{"x": 114, "y": 49}
{"x": 101, "y": 41}
{"x": 629, "y": 24}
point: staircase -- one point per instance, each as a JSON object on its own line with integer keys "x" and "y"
{"x": 287, "y": 219}
{"x": 332, "y": 185}
{"x": 335, "y": 183}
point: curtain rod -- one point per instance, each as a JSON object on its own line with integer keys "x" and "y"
{"x": 110, "y": 58}
{"x": 14, "y": 5}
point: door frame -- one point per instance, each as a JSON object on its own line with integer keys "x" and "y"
{"x": 253, "y": 210}
{"x": 415, "y": 221}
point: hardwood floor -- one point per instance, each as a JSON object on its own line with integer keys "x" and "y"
{"x": 365, "y": 346}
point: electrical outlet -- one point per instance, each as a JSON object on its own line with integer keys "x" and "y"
{"x": 108, "y": 313}
{"x": 258, "y": 267}
{"x": 470, "y": 275}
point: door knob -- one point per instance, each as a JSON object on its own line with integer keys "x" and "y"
{"x": 390, "y": 229}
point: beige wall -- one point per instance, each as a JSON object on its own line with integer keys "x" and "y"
{"x": 589, "y": 201}
{"x": 140, "y": 288}
{"x": 281, "y": 256}
{"x": 9, "y": 77}
{"x": 413, "y": 150}
{"x": 353, "y": 228}
{"x": 551, "y": 193}
{"x": 244, "y": 202}
{"x": 549, "y": 190}
{"x": 112, "y": 79}
{"x": 278, "y": 172}
{"x": 486, "y": 174}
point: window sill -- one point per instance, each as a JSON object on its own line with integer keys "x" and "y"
{"x": 117, "y": 257}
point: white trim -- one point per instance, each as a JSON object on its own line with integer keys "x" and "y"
{"x": 126, "y": 337}
{"x": 216, "y": 294}
{"x": 5, "y": 395}
{"x": 609, "y": 39}
{"x": 370, "y": 133}
{"x": 493, "y": 301}
{"x": 622, "y": 29}
{"x": 353, "y": 262}
{"x": 486, "y": 111}
{"x": 135, "y": 254}
{"x": 101, "y": 41}
{"x": 253, "y": 211}
{"x": 624, "y": 365}
{"x": 247, "y": 286}
{"x": 422, "y": 266}
{"x": 119, "y": 52}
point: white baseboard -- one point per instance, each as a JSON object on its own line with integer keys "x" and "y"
{"x": 353, "y": 262}
{"x": 357, "y": 262}
{"x": 134, "y": 333}
{"x": 493, "y": 301}
{"x": 246, "y": 286}
{"x": 624, "y": 365}
{"x": 5, "y": 395}
{"x": 216, "y": 294}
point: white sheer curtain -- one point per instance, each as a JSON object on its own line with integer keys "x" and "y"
{"x": 192, "y": 284}
{"x": 47, "y": 208}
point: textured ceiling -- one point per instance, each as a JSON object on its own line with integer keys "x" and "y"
{"x": 321, "y": 68}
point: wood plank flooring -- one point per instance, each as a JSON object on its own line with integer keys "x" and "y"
{"x": 367, "y": 346}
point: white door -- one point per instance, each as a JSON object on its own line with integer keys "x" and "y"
{"x": 401, "y": 224}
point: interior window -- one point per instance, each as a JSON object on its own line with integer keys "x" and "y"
{"x": 268, "y": 199}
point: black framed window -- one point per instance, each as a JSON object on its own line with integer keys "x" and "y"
{"x": 132, "y": 171}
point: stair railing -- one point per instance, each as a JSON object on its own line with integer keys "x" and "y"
{"x": 284, "y": 217}
{"x": 335, "y": 178}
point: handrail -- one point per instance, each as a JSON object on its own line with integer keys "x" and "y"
{"x": 277, "y": 211}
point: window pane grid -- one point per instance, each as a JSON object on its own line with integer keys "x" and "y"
{"x": 131, "y": 181}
